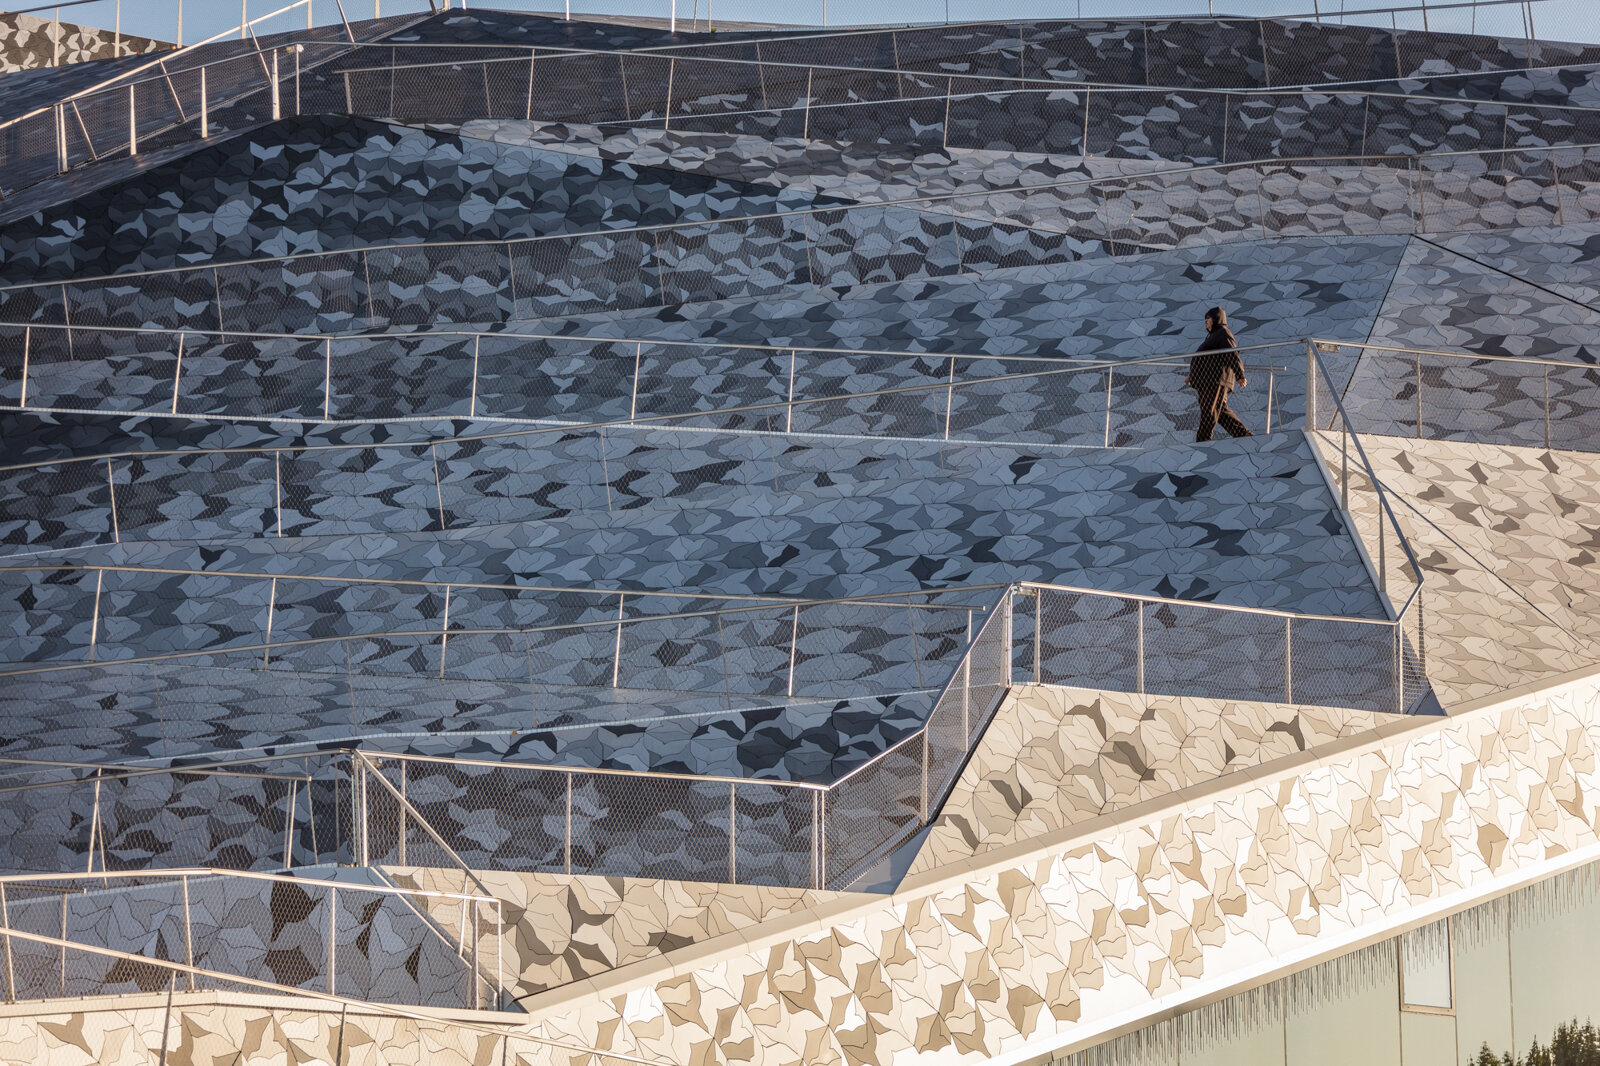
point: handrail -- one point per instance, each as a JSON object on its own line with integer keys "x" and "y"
{"x": 884, "y": 599}
{"x": 249, "y": 875}
{"x": 902, "y": 202}
{"x": 1170, "y": 601}
{"x": 560, "y": 52}
{"x": 1481, "y": 357}
{"x": 120, "y": 80}
{"x": 637, "y": 422}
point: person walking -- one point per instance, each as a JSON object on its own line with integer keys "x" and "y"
{"x": 1214, "y": 372}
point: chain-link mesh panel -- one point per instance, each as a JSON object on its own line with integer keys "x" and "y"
{"x": 400, "y": 377}
{"x": 840, "y": 644}
{"x": 1484, "y": 400}
{"x": 1086, "y": 640}
{"x": 58, "y": 505}
{"x": 165, "y": 299}
{"x": 276, "y": 377}
{"x": 492, "y": 817}
{"x": 775, "y": 835}
{"x": 1302, "y": 199}
{"x": 631, "y": 826}
{"x": 138, "y": 608}
{"x": 318, "y": 293}
{"x": 52, "y": 612}
{"x": 1491, "y": 190}
{"x": 1574, "y": 407}
{"x": 204, "y": 820}
{"x": 1577, "y": 173}
{"x": 863, "y": 246}
{"x": 522, "y": 479}
{"x": 578, "y": 88}
{"x": 1209, "y": 652}
{"x": 35, "y": 303}
{"x": 572, "y": 380}
{"x": 732, "y": 260}
{"x": 28, "y": 150}
{"x": 873, "y": 809}
{"x": 988, "y": 674}
{"x": 95, "y": 370}
{"x": 193, "y": 495}
{"x": 1342, "y": 664}
{"x": 424, "y": 284}
{"x": 1181, "y": 210}
{"x": 678, "y": 378}
{"x": 358, "y": 490}
{"x": 585, "y": 272}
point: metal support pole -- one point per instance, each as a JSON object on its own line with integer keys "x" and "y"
{"x": 333, "y": 910}
{"x": 1344, "y": 465}
{"x": 27, "y": 347}
{"x": 366, "y": 814}
{"x": 1419, "y": 395}
{"x": 288, "y": 825}
{"x": 1005, "y": 642}
{"x": 188, "y": 934}
{"x": 61, "y": 139}
{"x": 794, "y": 646}
{"x": 133, "y": 124}
{"x": 1271, "y": 385}
{"x": 733, "y": 836}
{"x": 1138, "y": 606}
{"x": 616, "y": 655}
{"x": 1109, "y": 372}
{"x": 94, "y": 821}
{"x": 1039, "y": 629}
{"x": 11, "y": 971}
{"x": 1547, "y": 406}
{"x": 1288, "y": 659}
{"x": 925, "y": 758}
{"x": 277, "y": 97}
{"x": 205, "y": 110}
{"x": 400, "y": 842}
{"x": 569, "y": 823}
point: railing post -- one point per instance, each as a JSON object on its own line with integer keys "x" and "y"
{"x": 1109, "y": 372}
{"x": 925, "y": 757}
{"x": 1288, "y": 659}
{"x": 1344, "y": 464}
{"x": 1005, "y": 642}
{"x": 61, "y": 139}
{"x": 816, "y": 842}
{"x": 1038, "y": 640}
{"x": 288, "y": 825}
{"x": 1547, "y": 406}
{"x": 1138, "y": 605}
{"x": 333, "y": 911}
{"x": 1419, "y": 395}
{"x": 733, "y": 836}
{"x": 188, "y": 934}
{"x": 366, "y": 814}
{"x": 788, "y": 417}
{"x": 794, "y": 646}
{"x": 569, "y": 823}
{"x": 205, "y": 109}
{"x": 133, "y": 125}
{"x": 277, "y": 100}
{"x": 633, "y": 397}
{"x": 1271, "y": 384}
{"x": 1311, "y": 386}
{"x": 400, "y": 842}
{"x": 10, "y": 965}
{"x": 27, "y": 348}
{"x": 94, "y": 821}
{"x": 616, "y": 657}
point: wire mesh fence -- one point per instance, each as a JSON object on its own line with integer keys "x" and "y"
{"x": 536, "y": 379}
{"x": 368, "y": 942}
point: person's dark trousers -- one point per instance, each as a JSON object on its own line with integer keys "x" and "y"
{"x": 1214, "y": 411}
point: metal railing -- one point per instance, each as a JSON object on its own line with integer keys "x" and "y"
{"x": 311, "y": 934}
{"x": 1486, "y": 399}
{"x": 567, "y": 383}
{"x": 575, "y": 819}
{"x": 826, "y": 248}
{"x": 787, "y": 84}
{"x": 126, "y": 817}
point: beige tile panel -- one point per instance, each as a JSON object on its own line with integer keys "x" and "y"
{"x": 1051, "y": 942}
{"x": 1496, "y": 598}
{"x": 1055, "y": 756}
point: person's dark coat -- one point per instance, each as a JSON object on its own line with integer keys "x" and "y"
{"x": 1213, "y": 372}
{"x": 1216, "y": 364}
